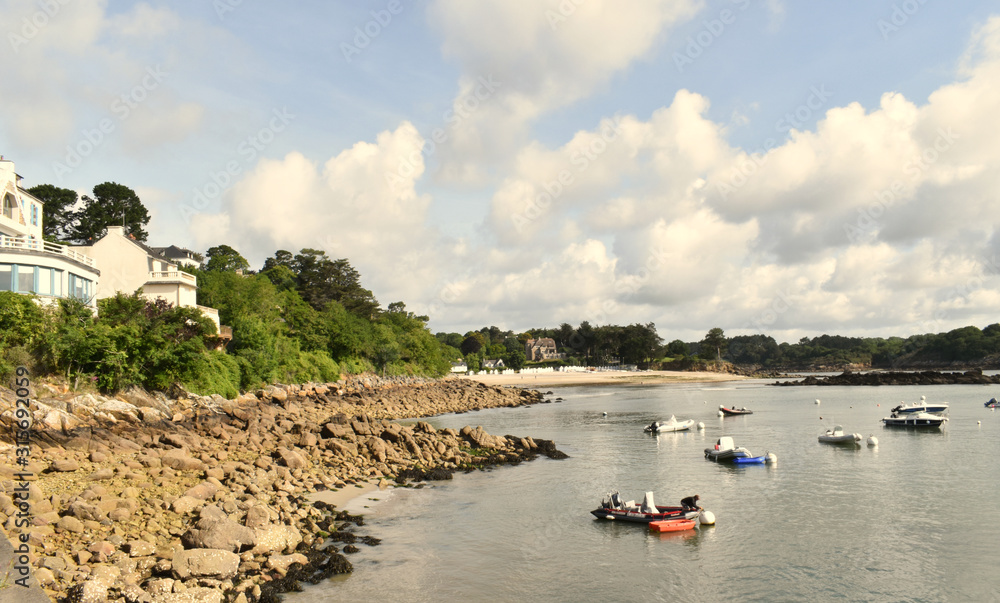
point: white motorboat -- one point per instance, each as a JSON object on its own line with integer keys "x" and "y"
{"x": 671, "y": 425}
{"x": 919, "y": 407}
{"x": 920, "y": 419}
{"x": 837, "y": 436}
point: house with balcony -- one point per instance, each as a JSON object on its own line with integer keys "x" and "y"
{"x": 129, "y": 264}
{"x": 542, "y": 349}
{"x": 28, "y": 264}
{"x": 180, "y": 256}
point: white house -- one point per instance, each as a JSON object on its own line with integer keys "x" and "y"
{"x": 28, "y": 264}
{"x": 180, "y": 256}
{"x": 115, "y": 263}
{"x": 129, "y": 265}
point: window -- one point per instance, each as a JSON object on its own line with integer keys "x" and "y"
{"x": 43, "y": 284}
{"x": 9, "y": 203}
{"x": 79, "y": 287}
{"x": 57, "y": 283}
{"x": 34, "y": 215}
{"x": 25, "y": 279}
{"x": 6, "y": 277}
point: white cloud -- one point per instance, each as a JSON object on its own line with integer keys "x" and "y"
{"x": 545, "y": 55}
{"x": 346, "y": 207}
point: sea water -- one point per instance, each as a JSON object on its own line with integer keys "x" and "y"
{"x": 916, "y": 518}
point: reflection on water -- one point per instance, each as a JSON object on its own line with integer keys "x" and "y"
{"x": 914, "y": 519}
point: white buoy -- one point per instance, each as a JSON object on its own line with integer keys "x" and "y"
{"x": 605, "y": 414}
{"x": 770, "y": 458}
{"x": 707, "y": 518}
{"x": 817, "y": 400}
{"x": 979, "y": 422}
{"x": 872, "y": 441}
{"x": 922, "y": 398}
{"x": 701, "y": 425}
{"x": 721, "y": 414}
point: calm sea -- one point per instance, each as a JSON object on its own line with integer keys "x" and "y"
{"x": 915, "y": 519}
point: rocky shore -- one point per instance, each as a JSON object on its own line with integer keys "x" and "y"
{"x": 147, "y": 498}
{"x": 973, "y": 377}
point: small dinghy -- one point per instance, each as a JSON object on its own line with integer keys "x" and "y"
{"x": 992, "y": 403}
{"x": 837, "y": 436}
{"x": 667, "y": 426}
{"x": 732, "y": 412}
{"x": 726, "y": 451}
{"x": 612, "y": 507}
{"x": 672, "y": 525}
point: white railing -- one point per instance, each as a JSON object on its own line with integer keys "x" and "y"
{"x": 173, "y": 275}
{"x": 46, "y": 247}
{"x": 213, "y": 314}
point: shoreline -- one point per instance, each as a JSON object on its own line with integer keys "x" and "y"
{"x": 138, "y": 495}
{"x": 562, "y": 379}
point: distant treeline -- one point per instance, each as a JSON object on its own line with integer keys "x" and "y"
{"x": 640, "y": 344}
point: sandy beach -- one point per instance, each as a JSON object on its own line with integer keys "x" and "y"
{"x": 557, "y": 379}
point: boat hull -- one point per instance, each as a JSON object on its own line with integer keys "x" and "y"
{"x": 673, "y": 525}
{"x": 667, "y": 428}
{"x": 665, "y": 514}
{"x": 922, "y": 420}
{"x": 727, "y": 456}
{"x": 750, "y": 460}
{"x": 847, "y": 438}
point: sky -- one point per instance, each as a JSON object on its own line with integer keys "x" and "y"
{"x": 762, "y": 166}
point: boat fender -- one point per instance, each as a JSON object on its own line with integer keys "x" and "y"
{"x": 609, "y": 517}
{"x": 707, "y": 518}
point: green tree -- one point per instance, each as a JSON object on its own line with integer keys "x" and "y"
{"x": 472, "y": 343}
{"x": 715, "y": 340}
{"x": 678, "y": 348}
{"x": 225, "y": 258}
{"x": 112, "y": 204}
{"x": 57, "y": 210}
{"x": 515, "y": 360}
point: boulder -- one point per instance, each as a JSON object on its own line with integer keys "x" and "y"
{"x": 281, "y": 563}
{"x": 64, "y": 465}
{"x": 198, "y": 594}
{"x": 212, "y": 532}
{"x": 205, "y": 563}
{"x": 276, "y": 538}
{"x": 292, "y": 459}
{"x": 179, "y": 460}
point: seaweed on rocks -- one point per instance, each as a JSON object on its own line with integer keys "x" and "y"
{"x": 322, "y": 565}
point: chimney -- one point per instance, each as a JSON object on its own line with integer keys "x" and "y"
{"x": 116, "y": 230}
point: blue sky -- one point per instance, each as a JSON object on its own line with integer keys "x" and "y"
{"x": 616, "y": 162}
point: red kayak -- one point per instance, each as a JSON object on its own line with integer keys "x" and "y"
{"x": 672, "y": 525}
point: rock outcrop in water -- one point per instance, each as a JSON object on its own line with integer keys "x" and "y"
{"x": 144, "y": 498}
{"x": 972, "y": 377}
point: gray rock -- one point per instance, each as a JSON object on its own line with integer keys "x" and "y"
{"x": 70, "y": 524}
{"x": 91, "y": 591}
{"x": 64, "y": 465}
{"x": 140, "y": 548}
{"x": 191, "y": 595}
{"x": 210, "y": 563}
{"x": 224, "y": 534}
